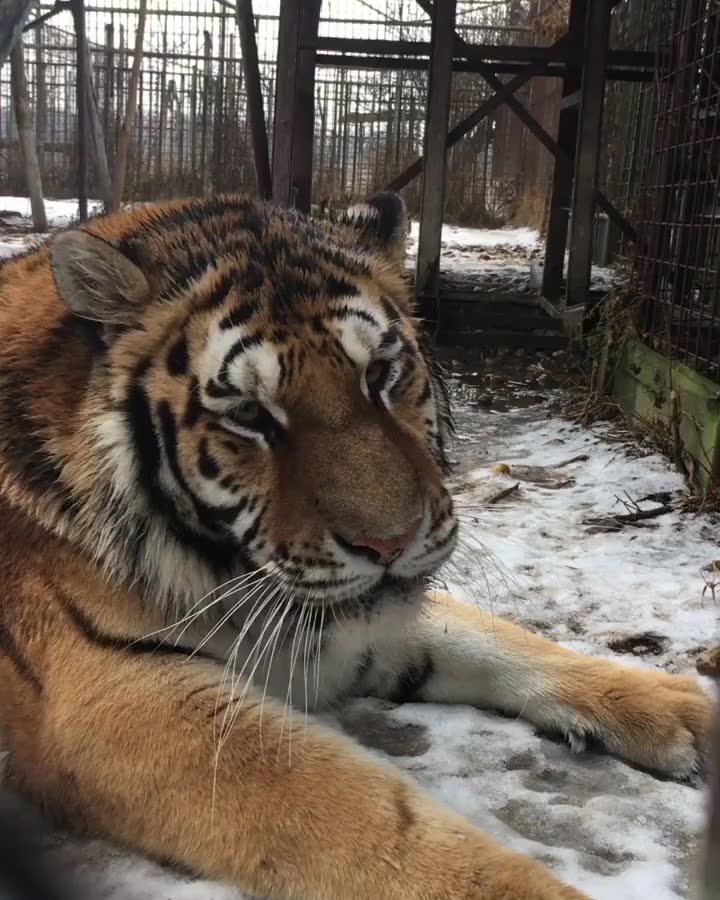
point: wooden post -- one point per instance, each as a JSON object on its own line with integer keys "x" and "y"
{"x": 82, "y": 81}
{"x": 23, "y": 118}
{"x": 427, "y": 281}
{"x": 561, "y": 196}
{"x": 293, "y": 136}
{"x": 592, "y": 96}
{"x": 253, "y": 92}
{"x": 284, "y": 127}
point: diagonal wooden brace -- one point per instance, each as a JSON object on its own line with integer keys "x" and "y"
{"x": 505, "y": 93}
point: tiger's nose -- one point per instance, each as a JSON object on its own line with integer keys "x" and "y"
{"x": 388, "y": 549}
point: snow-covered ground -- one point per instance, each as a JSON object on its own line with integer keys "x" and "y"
{"x": 15, "y": 219}
{"x": 538, "y": 558}
{"x": 490, "y": 259}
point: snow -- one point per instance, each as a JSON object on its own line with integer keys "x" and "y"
{"x": 489, "y": 259}
{"x": 607, "y": 828}
{"x": 536, "y": 558}
{"x": 59, "y": 212}
{"x": 456, "y": 236}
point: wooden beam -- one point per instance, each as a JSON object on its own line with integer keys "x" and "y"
{"x": 78, "y": 13}
{"x": 587, "y": 160}
{"x": 563, "y": 172}
{"x": 427, "y": 277}
{"x": 255, "y": 108}
{"x": 565, "y": 53}
{"x": 304, "y": 132}
{"x": 470, "y": 122}
{"x": 422, "y": 64}
{"x": 287, "y": 73}
{"x": 294, "y": 103}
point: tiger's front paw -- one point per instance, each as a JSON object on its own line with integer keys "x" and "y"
{"x": 659, "y": 721}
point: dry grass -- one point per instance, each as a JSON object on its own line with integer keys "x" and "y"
{"x": 588, "y": 398}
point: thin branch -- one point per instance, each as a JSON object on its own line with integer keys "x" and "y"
{"x": 503, "y": 494}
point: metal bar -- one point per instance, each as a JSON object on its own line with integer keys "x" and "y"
{"x": 563, "y": 172}
{"x": 597, "y": 40}
{"x": 420, "y": 64}
{"x": 255, "y": 110}
{"x": 287, "y": 72}
{"x": 482, "y": 52}
{"x": 427, "y": 277}
{"x": 78, "y": 13}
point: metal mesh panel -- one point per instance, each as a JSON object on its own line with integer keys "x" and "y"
{"x": 678, "y": 262}
{"x": 191, "y": 131}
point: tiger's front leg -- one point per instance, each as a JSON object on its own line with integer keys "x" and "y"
{"x": 454, "y": 654}
{"x": 128, "y": 745}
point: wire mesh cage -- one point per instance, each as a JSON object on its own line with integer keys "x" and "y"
{"x": 191, "y": 131}
{"x": 678, "y": 258}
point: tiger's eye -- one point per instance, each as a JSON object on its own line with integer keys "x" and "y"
{"x": 247, "y": 414}
{"x": 377, "y": 372}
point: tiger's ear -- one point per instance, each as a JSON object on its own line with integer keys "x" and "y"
{"x": 95, "y": 280}
{"x": 382, "y": 223}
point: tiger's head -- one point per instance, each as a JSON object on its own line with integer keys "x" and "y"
{"x": 258, "y": 398}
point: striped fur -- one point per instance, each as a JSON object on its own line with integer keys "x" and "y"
{"x": 222, "y": 460}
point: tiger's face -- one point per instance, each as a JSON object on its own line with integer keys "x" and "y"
{"x": 269, "y": 401}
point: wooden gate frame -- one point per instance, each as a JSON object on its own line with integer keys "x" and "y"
{"x": 582, "y": 58}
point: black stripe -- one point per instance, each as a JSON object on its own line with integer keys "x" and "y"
{"x": 194, "y": 408}
{"x": 117, "y": 643}
{"x": 178, "y": 360}
{"x": 12, "y": 651}
{"x": 220, "y": 553}
{"x": 340, "y": 287}
{"x": 207, "y": 464}
{"x": 217, "y": 296}
{"x": 238, "y": 348}
{"x": 390, "y": 309}
{"x": 209, "y": 516}
{"x": 426, "y": 394}
{"x": 347, "y": 312}
{"x": 411, "y": 682}
{"x": 217, "y": 391}
{"x": 239, "y": 315}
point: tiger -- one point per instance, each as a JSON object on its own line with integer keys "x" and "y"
{"x": 224, "y": 468}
